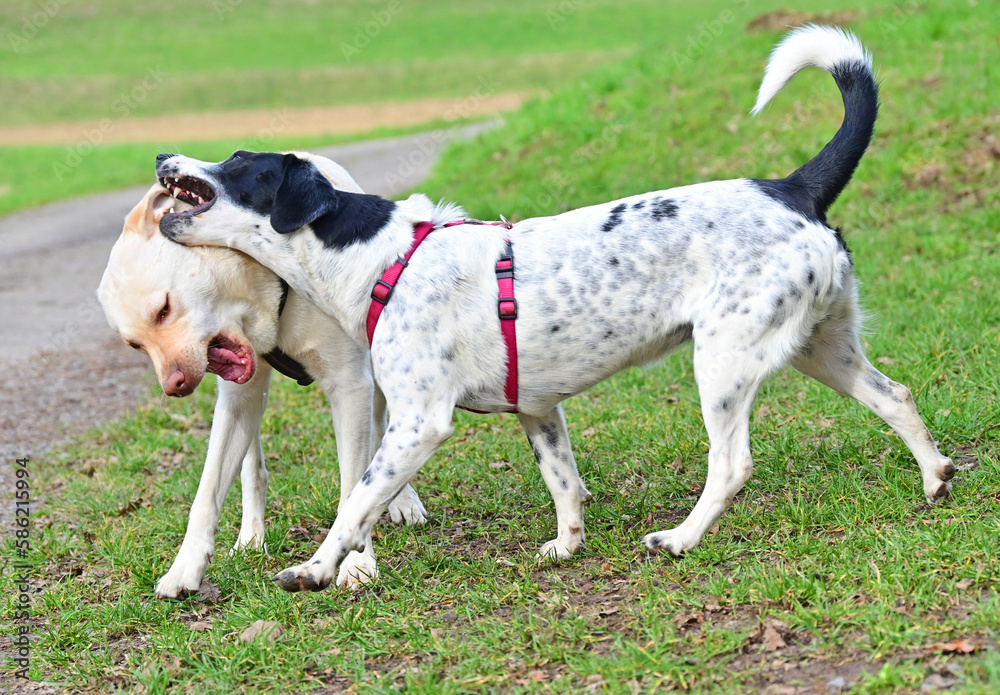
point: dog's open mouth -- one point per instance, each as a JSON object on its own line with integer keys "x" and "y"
{"x": 230, "y": 360}
{"x": 190, "y": 190}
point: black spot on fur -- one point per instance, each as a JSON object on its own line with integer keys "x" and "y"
{"x": 555, "y": 328}
{"x": 663, "y": 209}
{"x": 878, "y": 382}
{"x": 639, "y": 206}
{"x": 366, "y": 479}
{"x": 613, "y": 262}
{"x": 551, "y": 435}
{"x": 725, "y": 404}
{"x": 615, "y": 218}
{"x": 811, "y": 277}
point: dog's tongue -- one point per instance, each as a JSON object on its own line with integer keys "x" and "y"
{"x": 225, "y": 363}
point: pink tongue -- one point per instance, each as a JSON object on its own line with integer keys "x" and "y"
{"x": 225, "y": 363}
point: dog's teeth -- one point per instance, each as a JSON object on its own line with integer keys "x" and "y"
{"x": 171, "y": 208}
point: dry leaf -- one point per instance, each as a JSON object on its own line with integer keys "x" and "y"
{"x": 209, "y": 592}
{"x": 772, "y": 641}
{"x": 959, "y": 646}
{"x": 200, "y": 626}
{"x": 265, "y": 629}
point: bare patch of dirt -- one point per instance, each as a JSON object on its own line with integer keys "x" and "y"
{"x": 329, "y": 120}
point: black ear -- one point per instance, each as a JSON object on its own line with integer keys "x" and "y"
{"x": 303, "y": 195}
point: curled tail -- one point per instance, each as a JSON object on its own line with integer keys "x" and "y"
{"x": 813, "y": 187}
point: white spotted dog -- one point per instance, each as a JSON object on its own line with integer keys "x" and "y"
{"x": 747, "y": 269}
{"x": 202, "y": 309}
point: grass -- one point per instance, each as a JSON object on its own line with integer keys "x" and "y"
{"x": 830, "y": 549}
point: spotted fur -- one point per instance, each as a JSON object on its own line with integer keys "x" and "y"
{"x": 747, "y": 270}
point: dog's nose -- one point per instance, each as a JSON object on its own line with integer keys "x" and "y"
{"x": 163, "y": 156}
{"x": 176, "y": 384}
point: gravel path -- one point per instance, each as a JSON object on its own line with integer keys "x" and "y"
{"x": 63, "y": 371}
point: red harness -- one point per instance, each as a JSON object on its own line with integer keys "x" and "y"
{"x": 506, "y": 304}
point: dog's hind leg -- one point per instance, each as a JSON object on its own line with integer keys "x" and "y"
{"x": 550, "y": 442}
{"x": 834, "y": 357}
{"x": 728, "y": 381}
{"x": 414, "y": 434}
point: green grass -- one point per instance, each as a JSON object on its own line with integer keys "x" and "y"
{"x": 830, "y": 538}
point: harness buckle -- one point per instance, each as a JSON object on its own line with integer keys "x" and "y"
{"x": 382, "y": 291}
{"x": 507, "y": 309}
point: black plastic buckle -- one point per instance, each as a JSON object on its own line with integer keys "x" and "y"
{"x": 511, "y": 313}
{"x": 388, "y": 292}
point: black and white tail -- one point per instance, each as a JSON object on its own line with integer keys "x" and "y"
{"x": 813, "y": 187}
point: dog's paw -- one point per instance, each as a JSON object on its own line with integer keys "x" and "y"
{"x": 180, "y": 581}
{"x": 666, "y": 541}
{"x": 254, "y": 542}
{"x": 306, "y": 577}
{"x": 407, "y": 507}
{"x": 357, "y": 570}
{"x": 939, "y": 489}
{"x": 560, "y": 549}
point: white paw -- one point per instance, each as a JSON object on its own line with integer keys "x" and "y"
{"x": 559, "y": 549}
{"x": 181, "y": 580}
{"x": 407, "y": 507}
{"x": 667, "y": 541}
{"x": 250, "y": 542}
{"x": 357, "y": 570}
{"x": 937, "y": 492}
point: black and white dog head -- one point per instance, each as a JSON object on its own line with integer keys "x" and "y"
{"x": 254, "y": 195}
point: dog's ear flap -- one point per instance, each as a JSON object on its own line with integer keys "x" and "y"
{"x": 303, "y": 195}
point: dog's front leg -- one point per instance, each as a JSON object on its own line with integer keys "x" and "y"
{"x": 409, "y": 442}
{"x": 550, "y": 442}
{"x": 235, "y": 428}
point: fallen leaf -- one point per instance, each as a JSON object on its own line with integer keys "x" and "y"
{"x": 200, "y": 626}
{"x": 209, "y": 592}
{"x": 772, "y": 641}
{"x": 959, "y": 646}
{"x": 264, "y": 629}
{"x": 497, "y": 465}
{"x": 589, "y": 432}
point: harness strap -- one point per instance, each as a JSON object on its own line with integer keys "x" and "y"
{"x": 282, "y": 362}
{"x": 385, "y": 285}
{"x": 506, "y": 304}
{"x": 507, "y": 310}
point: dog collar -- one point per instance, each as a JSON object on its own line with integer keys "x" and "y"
{"x": 279, "y": 360}
{"x": 506, "y": 303}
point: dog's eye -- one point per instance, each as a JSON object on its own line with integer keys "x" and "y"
{"x": 164, "y": 311}
{"x": 134, "y": 346}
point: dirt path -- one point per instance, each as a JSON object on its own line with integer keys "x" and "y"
{"x": 62, "y": 369}
{"x": 332, "y": 120}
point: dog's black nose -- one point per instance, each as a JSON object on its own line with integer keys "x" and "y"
{"x": 162, "y": 157}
